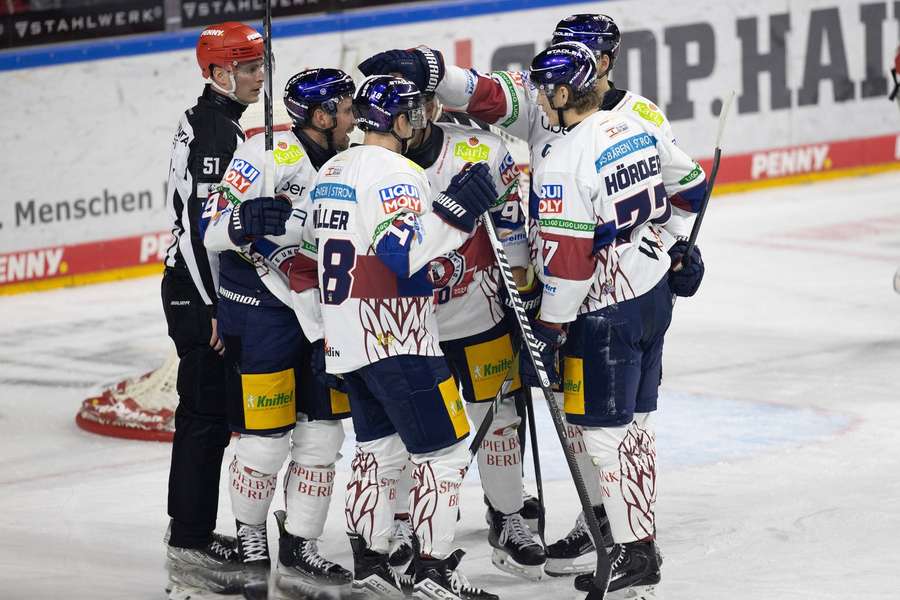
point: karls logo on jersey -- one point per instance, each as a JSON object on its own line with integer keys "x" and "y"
{"x": 791, "y": 161}
{"x": 628, "y": 175}
{"x": 403, "y": 195}
{"x": 648, "y": 112}
{"x": 508, "y": 169}
{"x": 287, "y": 154}
{"x": 472, "y": 151}
{"x": 551, "y": 199}
{"x": 241, "y": 175}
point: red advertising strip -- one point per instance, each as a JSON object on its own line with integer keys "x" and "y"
{"x": 808, "y": 162}
{"x": 92, "y": 262}
{"x": 57, "y": 266}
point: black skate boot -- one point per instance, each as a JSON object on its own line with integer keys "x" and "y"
{"x": 301, "y": 567}
{"x": 214, "y": 568}
{"x": 253, "y": 549}
{"x": 401, "y": 543}
{"x": 515, "y": 550}
{"x": 574, "y": 553}
{"x": 634, "y": 566}
{"x": 372, "y": 575}
{"x": 530, "y": 511}
{"x": 441, "y": 580}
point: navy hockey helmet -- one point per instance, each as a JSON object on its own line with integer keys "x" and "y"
{"x": 316, "y": 87}
{"x": 568, "y": 63}
{"x": 381, "y": 98}
{"x": 598, "y": 32}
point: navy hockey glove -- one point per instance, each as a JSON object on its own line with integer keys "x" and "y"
{"x": 257, "y": 217}
{"x": 317, "y": 363}
{"x": 685, "y": 281}
{"x": 549, "y": 339}
{"x": 531, "y": 299}
{"x": 470, "y": 193}
{"x": 422, "y": 65}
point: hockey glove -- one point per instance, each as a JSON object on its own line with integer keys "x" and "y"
{"x": 470, "y": 193}
{"x": 257, "y": 217}
{"x": 531, "y": 299}
{"x": 317, "y": 362}
{"x": 548, "y": 339}
{"x": 422, "y": 65}
{"x": 685, "y": 281}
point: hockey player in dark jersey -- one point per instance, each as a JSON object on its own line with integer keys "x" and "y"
{"x": 230, "y": 58}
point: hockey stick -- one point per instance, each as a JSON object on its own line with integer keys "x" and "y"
{"x": 602, "y": 572}
{"x": 536, "y": 459}
{"x": 269, "y": 166}
{"x": 710, "y": 181}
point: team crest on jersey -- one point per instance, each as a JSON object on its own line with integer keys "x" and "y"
{"x": 402, "y": 195}
{"x": 472, "y": 150}
{"x": 551, "y": 199}
{"x": 508, "y": 169}
{"x": 287, "y": 154}
{"x": 241, "y": 175}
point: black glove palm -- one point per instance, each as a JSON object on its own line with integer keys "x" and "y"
{"x": 686, "y": 280}
{"x": 470, "y": 194}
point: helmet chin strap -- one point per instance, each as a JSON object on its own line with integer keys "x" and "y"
{"x": 328, "y": 133}
{"x": 404, "y": 142}
{"x": 229, "y": 92}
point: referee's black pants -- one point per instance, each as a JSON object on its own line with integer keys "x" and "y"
{"x": 201, "y": 426}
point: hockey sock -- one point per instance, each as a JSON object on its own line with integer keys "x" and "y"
{"x": 376, "y": 467}
{"x": 500, "y": 456}
{"x": 627, "y": 460}
{"x": 434, "y": 499}
{"x": 309, "y": 480}
{"x": 253, "y": 475}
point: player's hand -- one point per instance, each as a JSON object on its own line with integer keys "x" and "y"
{"x": 549, "y": 338}
{"x": 257, "y": 217}
{"x": 687, "y": 271}
{"x": 422, "y": 65}
{"x": 215, "y": 342}
{"x": 470, "y": 193}
{"x": 317, "y": 363}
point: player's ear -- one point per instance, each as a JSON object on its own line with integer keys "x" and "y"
{"x": 562, "y": 95}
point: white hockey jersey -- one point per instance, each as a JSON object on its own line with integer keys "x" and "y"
{"x": 286, "y": 271}
{"x": 602, "y": 205}
{"x": 467, "y": 280}
{"x": 376, "y": 237}
{"x": 509, "y": 100}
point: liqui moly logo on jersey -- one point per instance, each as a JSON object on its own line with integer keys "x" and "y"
{"x": 241, "y": 175}
{"x": 508, "y": 169}
{"x": 551, "y": 199}
{"x": 403, "y": 195}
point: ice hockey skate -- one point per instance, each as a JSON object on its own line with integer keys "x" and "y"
{"x": 300, "y": 566}
{"x": 214, "y": 568}
{"x": 441, "y": 580}
{"x": 634, "y": 569}
{"x": 574, "y": 554}
{"x": 531, "y": 511}
{"x": 373, "y": 577}
{"x": 253, "y": 550}
{"x": 515, "y": 550}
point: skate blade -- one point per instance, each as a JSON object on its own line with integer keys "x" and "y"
{"x": 505, "y": 563}
{"x": 564, "y": 567}
{"x": 311, "y": 588}
{"x": 199, "y": 580}
{"x": 637, "y": 592}
{"x": 374, "y": 587}
{"x": 179, "y": 591}
{"x": 429, "y": 590}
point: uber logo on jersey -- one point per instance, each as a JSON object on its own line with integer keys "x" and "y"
{"x": 295, "y": 189}
{"x": 403, "y": 195}
{"x": 330, "y": 218}
{"x": 550, "y": 199}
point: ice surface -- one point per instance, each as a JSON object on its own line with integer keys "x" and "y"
{"x": 777, "y": 431}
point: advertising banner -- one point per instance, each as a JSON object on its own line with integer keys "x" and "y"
{"x": 87, "y": 144}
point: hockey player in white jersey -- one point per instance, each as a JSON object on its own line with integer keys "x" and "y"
{"x": 474, "y": 335}
{"x": 378, "y": 225}
{"x": 270, "y": 323}
{"x": 509, "y": 100}
{"x": 602, "y": 204}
